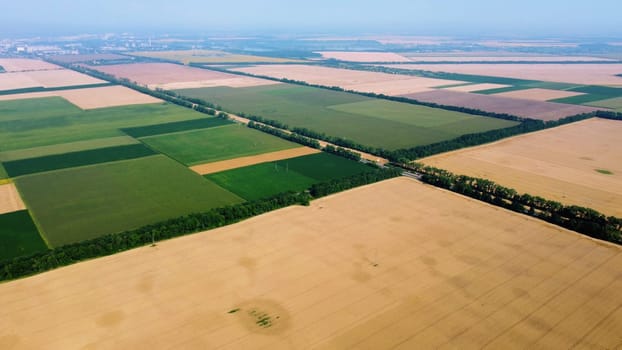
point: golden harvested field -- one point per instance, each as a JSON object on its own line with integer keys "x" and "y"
{"x": 487, "y": 58}
{"x": 228, "y": 164}
{"x": 25, "y": 64}
{"x": 208, "y": 56}
{"x": 538, "y": 94}
{"x": 364, "y": 56}
{"x": 476, "y": 87}
{"x": 10, "y": 199}
{"x": 397, "y": 264}
{"x": 92, "y": 98}
{"x": 561, "y": 164}
{"x": 175, "y": 76}
{"x": 594, "y": 74}
{"x": 381, "y": 83}
{"x": 45, "y": 78}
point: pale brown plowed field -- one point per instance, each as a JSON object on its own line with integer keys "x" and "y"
{"x": 476, "y": 87}
{"x": 364, "y": 56}
{"x": 25, "y": 64}
{"x": 595, "y": 74}
{"x": 45, "y": 78}
{"x": 10, "y": 200}
{"x": 397, "y": 264}
{"x": 498, "y": 104}
{"x": 539, "y": 94}
{"x": 458, "y": 58}
{"x": 92, "y": 98}
{"x": 215, "y": 167}
{"x": 380, "y": 83}
{"x": 175, "y": 76}
{"x": 88, "y": 57}
{"x": 559, "y": 164}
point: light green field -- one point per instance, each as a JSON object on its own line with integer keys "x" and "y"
{"x": 82, "y": 203}
{"x": 214, "y": 144}
{"x": 613, "y": 103}
{"x": 3, "y": 174}
{"x": 371, "y": 122}
{"x": 66, "y": 147}
{"x": 49, "y": 121}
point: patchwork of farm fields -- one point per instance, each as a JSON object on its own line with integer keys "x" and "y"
{"x": 207, "y": 56}
{"x": 371, "y": 122}
{"x": 578, "y": 163}
{"x": 396, "y": 264}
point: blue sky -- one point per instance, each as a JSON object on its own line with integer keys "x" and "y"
{"x": 441, "y": 17}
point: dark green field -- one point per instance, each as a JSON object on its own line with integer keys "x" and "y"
{"x": 77, "y": 204}
{"x": 49, "y": 121}
{"x": 218, "y": 143}
{"x": 294, "y": 174}
{"x": 376, "y": 123}
{"x": 75, "y": 159}
{"x": 592, "y": 93}
{"x": 19, "y": 235}
{"x": 168, "y": 128}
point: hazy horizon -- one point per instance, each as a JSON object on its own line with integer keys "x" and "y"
{"x": 451, "y": 18}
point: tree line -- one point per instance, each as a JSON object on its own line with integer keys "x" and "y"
{"x": 580, "y": 219}
{"x": 118, "y": 242}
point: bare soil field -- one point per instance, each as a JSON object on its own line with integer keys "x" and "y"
{"x": 92, "y": 98}
{"x": 45, "y": 78}
{"x": 175, "y": 76}
{"x": 216, "y": 167}
{"x": 514, "y": 106}
{"x": 364, "y": 56}
{"x": 578, "y": 163}
{"x": 475, "y": 87}
{"x": 539, "y": 94}
{"x": 488, "y": 58}
{"x": 10, "y": 199}
{"x": 594, "y": 74}
{"x": 25, "y": 64}
{"x": 88, "y": 57}
{"x": 396, "y": 264}
{"x": 381, "y": 83}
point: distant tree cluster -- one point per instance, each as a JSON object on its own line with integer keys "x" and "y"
{"x": 583, "y": 220}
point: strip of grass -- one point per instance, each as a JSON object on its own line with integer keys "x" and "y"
{"x": 19, "y": 235}
{"x": 168, "y": 128}
{"x": 66, "y": 148}
{"x": 390, "y": 125}
{"x": 3, "y": 174}
{"x": 74, "y": 159}
{"x": 82, "y": 203}
{"x": 52, "y": 120}
{"x": 294, "y": 174}
{"x": 214, "y": 144}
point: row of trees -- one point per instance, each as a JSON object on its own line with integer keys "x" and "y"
{"x": 583, "y": 220}
{"x": 114, "y": 243}
{"x": 609, "y": 115}
{"x": 290, "y": 136}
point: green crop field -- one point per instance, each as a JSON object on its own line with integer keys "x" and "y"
{"x": 218, "y": 143}
{"x": 167, "y": 128}
{"x": 372, "y": 122}
{"x": 294, "y": 174}
{"x": 77, "y": 204}
{"x": 3, "y": 174}
{"x": 49, "y": 121}
{"x": 66, "y": 148}
{"x": 261, "y": 180}
{"x": 19, "y": 235}
{"x": 75, "y": 159}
